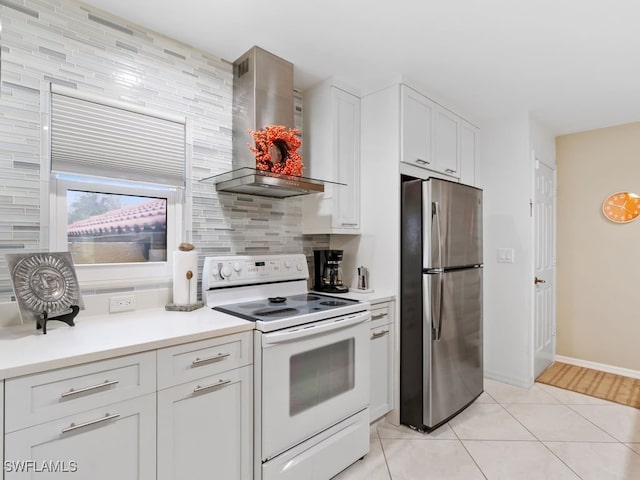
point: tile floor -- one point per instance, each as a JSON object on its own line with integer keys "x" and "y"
{"x": 511, "y": 433}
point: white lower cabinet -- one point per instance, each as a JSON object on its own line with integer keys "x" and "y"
{"x": 382, "y": 340}
{"x": 115, "y": 441}
{"x": 205, "y": 428}
{"x": 182, "y": 412}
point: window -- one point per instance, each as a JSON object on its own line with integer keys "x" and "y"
{"x": 117, "y": 188}
{"x": 117, "y": 232}
{"x": 116, "y": 228}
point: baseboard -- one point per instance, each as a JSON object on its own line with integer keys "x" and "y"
{"x": 518, "y": 382}
{"x": 626, "y": 372}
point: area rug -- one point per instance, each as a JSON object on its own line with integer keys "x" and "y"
{"x": 608, "y": 386}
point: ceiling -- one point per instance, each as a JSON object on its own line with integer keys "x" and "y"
{"x": 573, "y": 64}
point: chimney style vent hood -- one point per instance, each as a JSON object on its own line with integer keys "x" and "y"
{"x": 262, "y": 95}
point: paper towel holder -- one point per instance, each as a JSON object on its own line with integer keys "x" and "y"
{"x": 185, "y": 247}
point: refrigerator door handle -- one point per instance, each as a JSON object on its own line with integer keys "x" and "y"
{"x": 435, "y": 227}
{"x": 434, "y": 283}
{"x": 440, "y": 302}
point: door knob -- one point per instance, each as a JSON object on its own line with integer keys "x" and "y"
{"x": 539, "y": 280}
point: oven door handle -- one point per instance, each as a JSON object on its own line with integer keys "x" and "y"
{"x": 315, "y": 329}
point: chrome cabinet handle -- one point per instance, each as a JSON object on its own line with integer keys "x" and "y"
{"x": 213, "y": 385}
{"x": 450, "y": 170}
{"x": 87, "y": 389}
{"x": 106, "y": 418}
{"x": 379, "y": 316}
{"x": 203, "y": 361}
{"x": 349, "y": 224}
{"x": 539, "y": 280}
{"x": 423, "y": 162}
{"x": 382, "y": 333}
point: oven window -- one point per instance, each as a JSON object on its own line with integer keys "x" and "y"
{"x": 321, "y": 374}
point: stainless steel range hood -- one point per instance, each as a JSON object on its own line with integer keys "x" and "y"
{"x": 262, "y": 95}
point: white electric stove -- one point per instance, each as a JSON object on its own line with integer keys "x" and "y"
{"x": 311, "y": 364}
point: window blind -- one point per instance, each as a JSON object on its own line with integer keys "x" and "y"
{"x": 92, "y": 138}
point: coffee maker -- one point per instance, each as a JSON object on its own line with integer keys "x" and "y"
{"x": 328, "y": 271}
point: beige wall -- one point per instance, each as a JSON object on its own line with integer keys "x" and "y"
{"x": 598, "y": 273}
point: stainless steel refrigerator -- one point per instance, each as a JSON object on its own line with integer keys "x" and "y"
{"x": 440, "y": 301}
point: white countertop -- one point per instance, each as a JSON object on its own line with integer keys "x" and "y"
{"x": 371, "y": 297}
{"x": 24, "y": 350}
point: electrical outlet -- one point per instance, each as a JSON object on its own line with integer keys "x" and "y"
{"x": 122, "y": 303}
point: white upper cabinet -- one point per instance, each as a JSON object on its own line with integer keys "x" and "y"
{"x": 447, "y": 146}
{"x": 434, "y": 138}
{"x": 469, "y": 135}
{"x": 417, "y": 124}
{"x": 331, "y": 146}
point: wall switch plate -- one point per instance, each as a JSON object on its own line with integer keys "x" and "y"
{"x": 505, "y": 255}
{"x": 122, "y": 303}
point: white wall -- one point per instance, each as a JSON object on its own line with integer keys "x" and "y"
{"x": 543, "y": 142}
{"x": 379, "y": 243}
{"x": 506, "y": 176}
{"x": 78, "y": 46}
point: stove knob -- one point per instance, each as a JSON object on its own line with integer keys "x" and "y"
{"x": 287, "y": 263}
{"x": 299, "y": 267}
{"x": 225, "y": 271}
{"x": 237, "y": 266}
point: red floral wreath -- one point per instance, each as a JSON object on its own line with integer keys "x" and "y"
{"x": 276, "y": 150}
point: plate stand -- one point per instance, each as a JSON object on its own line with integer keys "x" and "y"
{"x": 66, "y": 318}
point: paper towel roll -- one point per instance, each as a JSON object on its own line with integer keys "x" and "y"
{"x": 185, "y": 290}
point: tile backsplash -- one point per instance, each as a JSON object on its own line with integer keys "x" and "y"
{"x": 73, "y": 44}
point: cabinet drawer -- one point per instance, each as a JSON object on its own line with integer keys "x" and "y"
{"x": 381, "y": 331}
{"x": 380, "y": 314}
{"x": 192, "y": 361}
{"x": 34, "y": 399}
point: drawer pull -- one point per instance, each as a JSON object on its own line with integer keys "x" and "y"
{"x": 203, "y": 361}
{"x": 379, "y": 334}
{"x": 213, "y": 385}
{"x": 379, "y": 316}
{"x": 422, "y": 162}
{"x": 349, "y": 224}
{"x": 87, "y": 389}
{"x": 450, "y": 170}
{"x": 106, "y": 418}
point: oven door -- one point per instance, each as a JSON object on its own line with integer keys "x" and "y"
{"x": 313, "y": 376}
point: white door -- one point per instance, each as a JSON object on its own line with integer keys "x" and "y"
{"x": 544, "y": 267}
{"x": 205, "y": 428}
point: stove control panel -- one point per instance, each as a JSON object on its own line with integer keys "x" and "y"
{"x": 236, "y": 270}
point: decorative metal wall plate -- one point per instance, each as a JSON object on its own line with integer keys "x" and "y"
{"x": 44, "y": 282}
